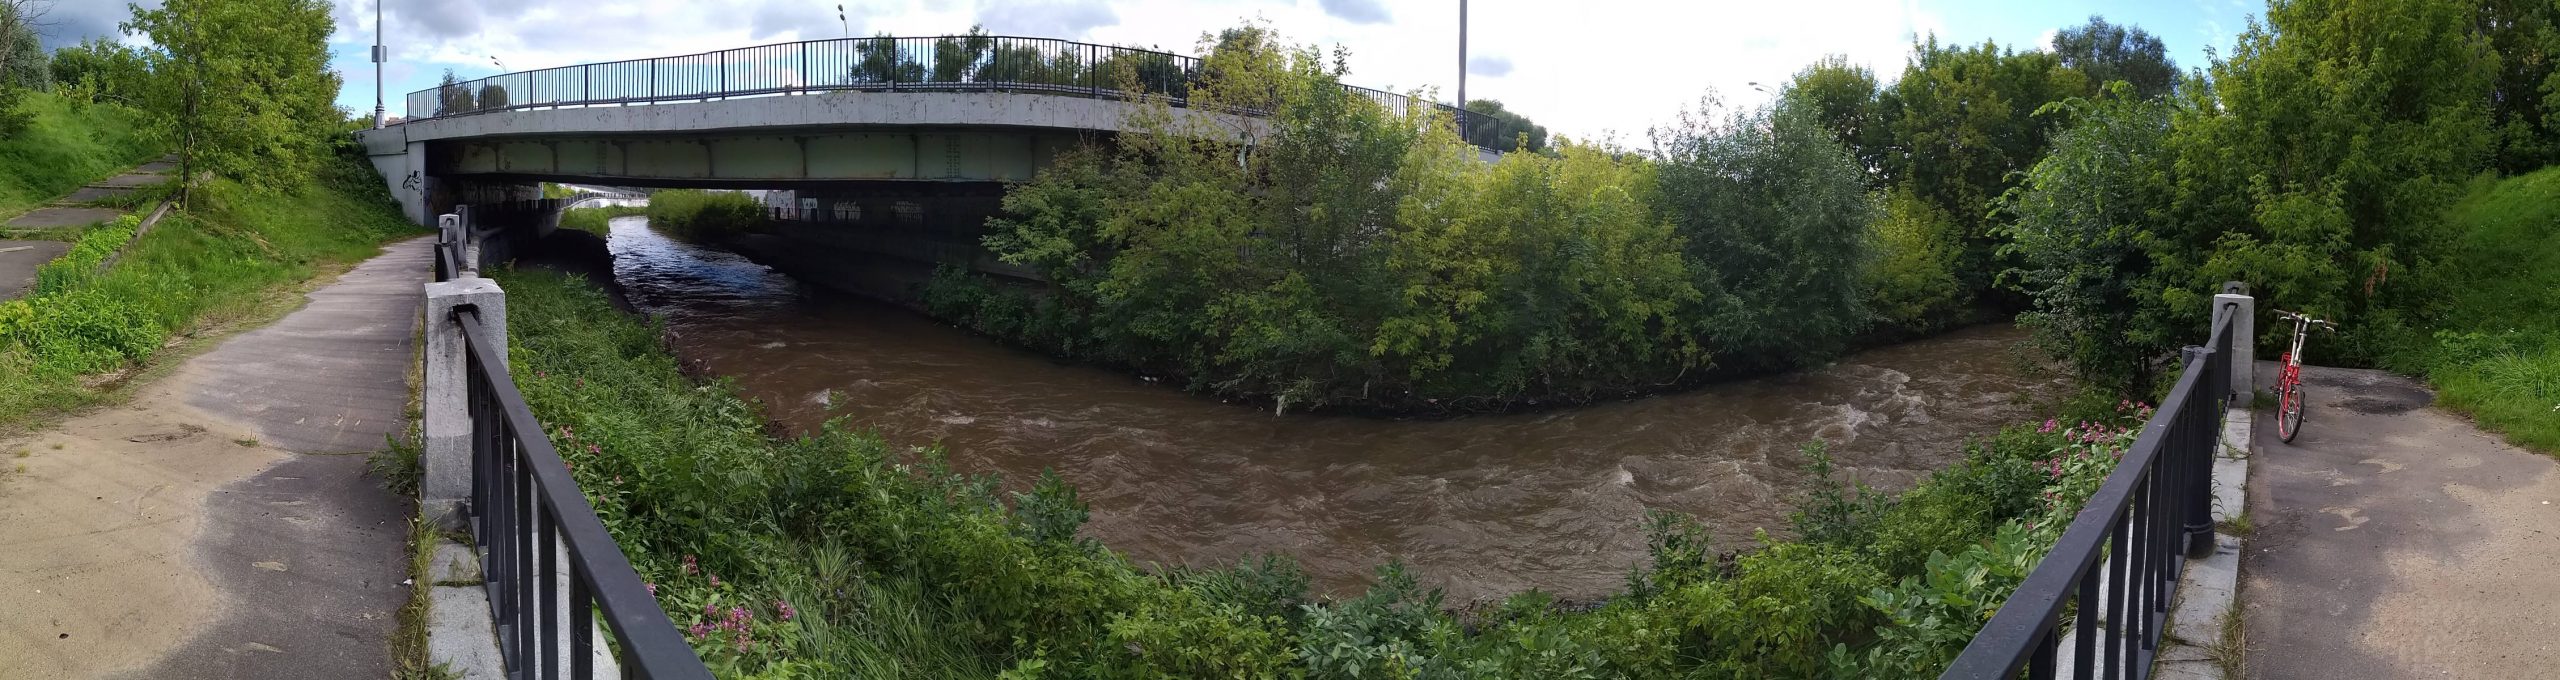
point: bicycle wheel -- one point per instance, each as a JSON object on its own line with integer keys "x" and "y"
{"x": 2289, "y": 414}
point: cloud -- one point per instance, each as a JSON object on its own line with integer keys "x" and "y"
{"x": 73, "y": 22}
{"x": 1356, "y": 11}
{"x": 801, "y": 19}
{"x": 1046, "y": 19}
{"x": 1489, "y": 66}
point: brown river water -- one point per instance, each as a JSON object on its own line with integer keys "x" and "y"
{"x": 1483, "y": 506}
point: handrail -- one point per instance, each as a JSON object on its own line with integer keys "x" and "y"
{"x": 960, "y": 62}
{"x": 526, "y": 512}
{"x": 2127, "y": 545}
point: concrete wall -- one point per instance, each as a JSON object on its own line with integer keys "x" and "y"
{"x": 839, "y": 109}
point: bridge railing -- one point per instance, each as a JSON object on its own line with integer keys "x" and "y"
{"x": 961, "y": 63}
{"x": 547, "y": 563}
{"x": 2114, "y": 572}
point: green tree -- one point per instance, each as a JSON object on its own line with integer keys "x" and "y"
{"x": 1494, "y": 126}
{"x": 2524, "y": 102}
{"x": 453, "y": 97}
{"x": 2084, "y": 216}
{"x": 2320, "y": 166}
{"x": 22, "y": 59}
{"x": 1842, "y": 96}
{"x": 244, "y": 86}
{"x": 2109, "y": 52}
{"x": 102, "y": 70}
{"x": 955, "y": 58}
{"x": 1774, "y": 214}
{"x": 878, "y": 60}
{"x": 1913, "y": 286}
{"x": 1959, "y": 124}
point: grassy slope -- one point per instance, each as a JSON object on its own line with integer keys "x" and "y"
{"x": 69, "y": 144}
{"x": 2496, "y": 352}
{"x": 233, "y": 257}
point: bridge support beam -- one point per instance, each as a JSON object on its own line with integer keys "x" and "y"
{"x": 445, "y": 488}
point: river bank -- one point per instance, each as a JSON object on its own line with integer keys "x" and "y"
{"x": 900, "y": 554}
{"x": 1483, "y": 506}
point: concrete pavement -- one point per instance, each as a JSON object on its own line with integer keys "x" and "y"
{"x": 18, "y": 263}
{"x": 2396, "y": 540}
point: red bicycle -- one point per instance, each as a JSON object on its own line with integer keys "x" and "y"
{"x": 2289, "y": 377}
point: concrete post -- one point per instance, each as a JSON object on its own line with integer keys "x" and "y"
{"x": 2244, "y": 339}
{"x": 446, "y": 458}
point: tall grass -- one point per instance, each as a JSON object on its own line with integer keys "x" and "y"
{"x": 2494, "y": 352}
{"x": 229, "y": 256}
{"x": 700, "y": 215}
{"x": 68, "y": 143}
{"x": 598, "y": 220}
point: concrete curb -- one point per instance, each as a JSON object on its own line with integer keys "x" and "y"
{"x": 2209, "y": 590}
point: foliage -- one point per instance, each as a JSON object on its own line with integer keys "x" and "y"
{"x": 2495, "y": 350}
{"x": 597, "y": 219}
{"x": 1841, "y": 96}
{"x": 243, "y": 86}
{"x": 101, "y": 70}
{"x": 1913, "y": 286}
{"x": 879, "y": 61}
{"x": 1958, "y": 124}
{"x": 2524, "y": 95}
{"x": 704, "y": 215}
{"x": 1354, "y": 258}
{"x": 2084, "y": 216}
{"x": 22, "y": 61}
{"x": 838, "y": 554}
{"x": 453, "y": 97}
{"x": 1774, "y": 215}
{"x": 68, "y": 143}
{"x": 1494, "y": 126}
{"x": 2106, "y": 53}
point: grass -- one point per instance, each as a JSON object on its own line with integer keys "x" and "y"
{"x": 2494, "y": 352}
{"x": 68, "y": 144}
{"x": 703, "y": 215}
{"x": 409, "y": 659}
{"x": 598, "y": 220}
{"x": 232, "y": 258}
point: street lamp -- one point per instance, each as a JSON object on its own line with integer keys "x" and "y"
{"x": 502, "y": 66}
{"x": 377, "y": 65}
{"x": 842, "y": 23}
{"x": 1462, "y": 68}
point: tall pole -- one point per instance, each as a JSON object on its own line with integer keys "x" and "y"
{"x": 377, "y": 65}
{"x": 1462, "y": 68}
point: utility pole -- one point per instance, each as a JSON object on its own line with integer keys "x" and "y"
{"x": 1462, "y": 69}
{"x": 377, "y": 65}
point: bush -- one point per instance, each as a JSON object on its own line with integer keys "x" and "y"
{"x": 704, "y": 215}
{"x": 1913, "y": 286}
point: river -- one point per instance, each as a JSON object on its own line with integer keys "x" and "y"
{"x": 1482, "y": 506}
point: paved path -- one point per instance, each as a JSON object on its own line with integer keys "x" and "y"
{"x": 189, "y": 534}
{"x": 18, "y": 263}
{"x": 70, "y": 211}
{"x": 2396, "y": 540}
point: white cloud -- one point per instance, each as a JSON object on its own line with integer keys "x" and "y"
{"x": 1488, "y": 66}
{"x": 1356, "y": 11}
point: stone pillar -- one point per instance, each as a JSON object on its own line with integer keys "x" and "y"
{"x": 2244, "y": 338}
{"x": 446, "y": 457}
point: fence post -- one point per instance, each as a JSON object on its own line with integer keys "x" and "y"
{"x": 2244, "y": 337}
{"x": 444, "y": 490}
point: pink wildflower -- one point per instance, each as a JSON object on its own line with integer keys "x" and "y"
{"x": 699, "y": 630}
{"x": 653, "y": 588}
{"x": 2049, "y": 424}
{"x": 784, "y": 610}
{"x": 715, "y": 580}
{"x": 710, "y": 609}
{"x": 688, "y": 565}
{"x": 591, "y": 448}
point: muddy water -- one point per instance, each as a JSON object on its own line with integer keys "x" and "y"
{"x": 1483, "y": 506}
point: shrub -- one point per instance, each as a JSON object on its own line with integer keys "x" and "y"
{"x": 1913, "y": 285}
{"x": 704, "y": 215}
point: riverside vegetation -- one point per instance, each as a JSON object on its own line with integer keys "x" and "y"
{"x": 842, "y": 555}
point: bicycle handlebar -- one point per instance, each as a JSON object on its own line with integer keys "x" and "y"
{"x": 2307, "y": 319}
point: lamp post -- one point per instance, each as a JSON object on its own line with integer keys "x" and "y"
{"x": 1462, "y": 69}
{"x": 377, "y": 65}
{"x": 842, "y": 23}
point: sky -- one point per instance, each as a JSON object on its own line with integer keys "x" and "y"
{"x": 1597, "y": 69}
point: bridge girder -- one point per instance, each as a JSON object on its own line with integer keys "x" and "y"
{"x": 761, "y": 159}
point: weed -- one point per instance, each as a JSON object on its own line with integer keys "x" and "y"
{"x": 2236, "y": 525}
{"x": 246, "y": 442}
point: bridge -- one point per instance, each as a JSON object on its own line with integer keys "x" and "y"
{"x": 830, "y": 118}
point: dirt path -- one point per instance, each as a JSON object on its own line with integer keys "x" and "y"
{"x": 187, "y": 533}
{"x": 2396, "y": 540}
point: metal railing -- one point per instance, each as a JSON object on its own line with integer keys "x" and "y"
{"x": 2114, "y": 571}
{"x": 544, "y": 555}
{"x": 945, "y": 63}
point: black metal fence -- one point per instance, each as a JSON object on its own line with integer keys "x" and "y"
{"x": 963, "y": 63}
{"x": 2113, "y": 574}
{"x": 544, "y": 555}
